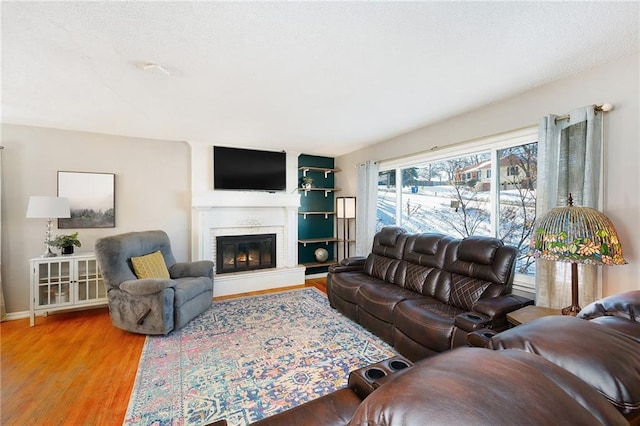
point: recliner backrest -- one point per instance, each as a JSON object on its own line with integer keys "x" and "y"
{"x": 114, "y": 254}
{"x": 484, "y": 258}
{"x": 389, "y": 242}
{"x": 386, "y": 253}
{"x": 478, "y": 267}
{"x": 424, "y": 256}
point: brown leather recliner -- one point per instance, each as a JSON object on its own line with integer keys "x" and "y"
{"x": 423, "y": 293}
{"x": 560, "y": 370}
{"x": 465, "y": 386}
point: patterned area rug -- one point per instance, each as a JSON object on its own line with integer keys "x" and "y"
{"x": 249, "y": 358}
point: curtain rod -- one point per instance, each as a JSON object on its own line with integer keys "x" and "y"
{"x": 603, "y": 108}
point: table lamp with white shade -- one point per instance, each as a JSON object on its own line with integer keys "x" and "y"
{"x": 44, "y": 207}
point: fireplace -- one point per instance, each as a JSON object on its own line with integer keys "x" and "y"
{"x": 233, "y": 213}
{"x": 239, "y": 253}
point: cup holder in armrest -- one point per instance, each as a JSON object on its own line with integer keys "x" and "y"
{"x": 374, "y": 374}
{"x": 398, "y": 364}
{"x": 480, "y": 338}
{"x": 472, "y": 317}
{"x": 365, "y": 380}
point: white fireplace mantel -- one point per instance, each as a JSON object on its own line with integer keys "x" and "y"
{"x": 218, "y": 199}
{"x": 217, "y": 213}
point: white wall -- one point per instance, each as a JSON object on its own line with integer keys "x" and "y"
{"x": 153, "y": 191}
{"x": 153, "y": 178}
{"x": 616, "y": 83}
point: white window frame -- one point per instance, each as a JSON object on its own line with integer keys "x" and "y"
{"x": 491, "y": 144}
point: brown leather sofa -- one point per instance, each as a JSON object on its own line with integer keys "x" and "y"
{"x": 423, "y": 293}
{"x": 554, "y": 370}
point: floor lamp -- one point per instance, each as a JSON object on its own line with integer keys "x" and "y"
{"x": 49, "y": 208}
{"x": 577, "y": 235}
{"x": 345, "y": 211}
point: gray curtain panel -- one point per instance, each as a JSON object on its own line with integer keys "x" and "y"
{"x": 366, "y": 207}
{"x": 569, "y": 162}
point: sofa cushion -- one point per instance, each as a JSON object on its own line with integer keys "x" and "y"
{"x": 150, "y": 266}
{"x": 381, "y": 267}
{"x": 345, "y": 285}
{"x": 416, "y": 276}
{"x": 380, "y": 300}
{"x": 607, "y": 360}
{"x": 484, "y": 258}
{"x": 624, "y": 305}
{"x": 466, "y": 291}
{"x": 475, "y": 386}
{"x": 476, "y": 249}
{"x": 188, "y": 288}
{"x": 334, "y": 409}
{"x": 389, "y": 242}
{"x": 427, "y": 321}
{"x": 621, "y": 325}
{"x": 426, "y": 249}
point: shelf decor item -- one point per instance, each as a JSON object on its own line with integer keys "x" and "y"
{"x": 42, "y": 207}
{"x": 322, "y": 255}
{"x": 66, "y": 242}
{"x": 577, "y": 235}
{"x": 307, "y": 182}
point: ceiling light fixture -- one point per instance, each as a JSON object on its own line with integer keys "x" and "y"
{"x": 153, "y": 67}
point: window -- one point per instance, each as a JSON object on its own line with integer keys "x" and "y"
{"x": 513, "y": 171}
{"x": 386, "y": 215}
{"x": 445, "y": 192}
{"x": 517, "y": 200}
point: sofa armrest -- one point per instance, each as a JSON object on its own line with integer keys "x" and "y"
{"x": 497, "y": 308}
{"x": 480, "y": 338}
{"x": 199, "y": 268}
{"x": 146, "y": 286}
{"x": 471, "y": 321}
{"x": 349, "y": 264}
{"x": 353, "y": 261}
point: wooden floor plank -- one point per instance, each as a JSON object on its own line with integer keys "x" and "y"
{"x": 72, "y": 368}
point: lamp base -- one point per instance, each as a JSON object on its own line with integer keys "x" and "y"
{"x": 48, "y": 253}
{"x": 572, "y": 310}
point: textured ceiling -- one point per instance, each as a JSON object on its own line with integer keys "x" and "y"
{"x": 317, "y": 77}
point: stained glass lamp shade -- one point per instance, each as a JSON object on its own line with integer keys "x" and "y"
{"x": 577, "y": 235}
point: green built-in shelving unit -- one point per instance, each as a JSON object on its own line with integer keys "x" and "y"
{"x": 316, "y": 216}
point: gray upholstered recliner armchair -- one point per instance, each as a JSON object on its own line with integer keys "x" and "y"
{"x": 152, "y": 305}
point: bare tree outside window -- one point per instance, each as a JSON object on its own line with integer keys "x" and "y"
{"x": 453, "y": 197}
{"x": 517, "y": 198}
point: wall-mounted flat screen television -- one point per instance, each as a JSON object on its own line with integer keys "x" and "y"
{"x": 249, "y": 170}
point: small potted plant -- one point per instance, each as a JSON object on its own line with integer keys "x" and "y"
{"x": 66, "y": 242}
{"x": 307, "y": 182}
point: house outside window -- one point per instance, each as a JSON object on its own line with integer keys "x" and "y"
{"x": 487, "y": 188}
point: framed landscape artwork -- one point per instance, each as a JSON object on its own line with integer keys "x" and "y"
{"x": 91, "y": 198}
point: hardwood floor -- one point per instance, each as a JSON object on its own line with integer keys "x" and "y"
{"x": 72, "y": 368}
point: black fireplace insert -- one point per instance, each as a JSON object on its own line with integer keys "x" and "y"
{"x": 245, "y": 252}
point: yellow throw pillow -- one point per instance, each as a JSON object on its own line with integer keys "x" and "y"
{"x": 150, "y": 266}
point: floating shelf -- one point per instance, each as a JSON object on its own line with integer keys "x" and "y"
{"x": 319, "y": 265}
{"x": 327, "y": 191}
{"x": 326, "y": 214}
{"x": 318, "y": 169}
{"x": 327, "y": 241}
